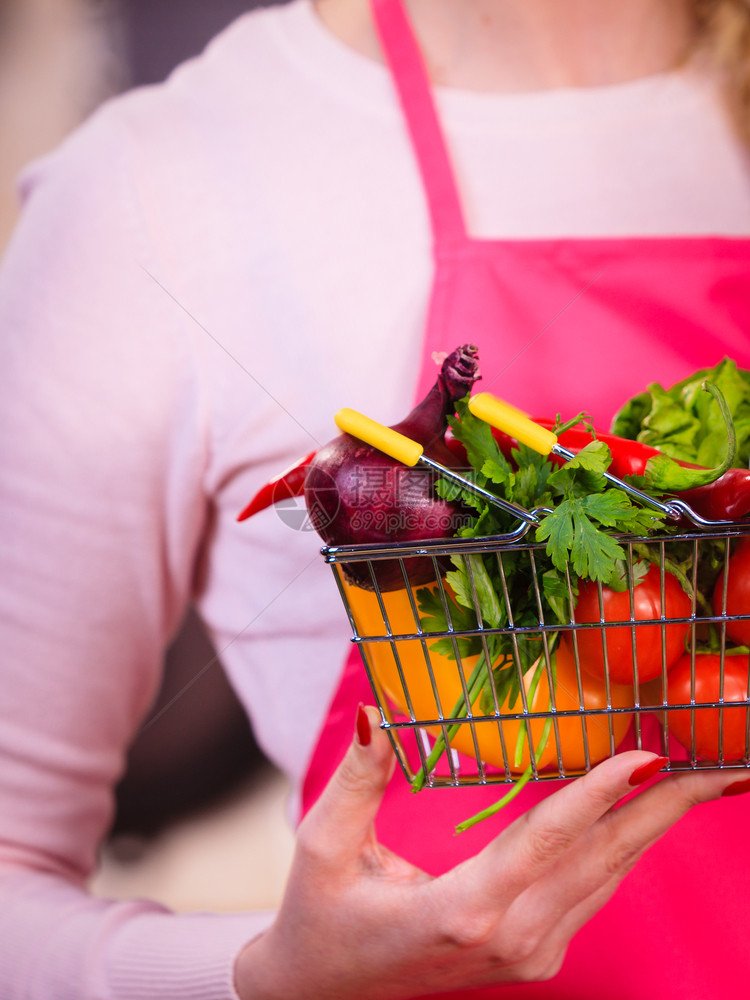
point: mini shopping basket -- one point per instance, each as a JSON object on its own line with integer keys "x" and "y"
{"x": 560, "y": 723}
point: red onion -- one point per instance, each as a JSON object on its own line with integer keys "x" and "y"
{"x": 357, "y": 495}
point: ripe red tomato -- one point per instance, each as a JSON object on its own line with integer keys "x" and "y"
{"x": 738, "y": 593}
{"x": 619, "y": 640}
{"x": 707, "y": 686}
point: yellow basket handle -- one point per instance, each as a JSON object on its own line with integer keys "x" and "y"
{"x": 512, "y": 421}
{"x": 408, "y": 452}
{"x": 390, "y": 442}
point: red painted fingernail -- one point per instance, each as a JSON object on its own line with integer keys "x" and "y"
{"x": 646, "y": 771}
{"x": 364, "y": 733}
{"x": 738, "y": 788}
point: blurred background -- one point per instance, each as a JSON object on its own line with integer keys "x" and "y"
{"x": 199, "y": 805}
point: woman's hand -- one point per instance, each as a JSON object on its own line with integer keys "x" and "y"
{"x": 358, "y": 921}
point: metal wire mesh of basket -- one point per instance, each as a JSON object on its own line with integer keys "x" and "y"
{"x": 459, "y": 713}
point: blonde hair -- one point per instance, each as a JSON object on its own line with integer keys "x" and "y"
{"x": 723, "y": 34}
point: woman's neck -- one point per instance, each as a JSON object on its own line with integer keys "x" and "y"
{"x": 526, "y": 45}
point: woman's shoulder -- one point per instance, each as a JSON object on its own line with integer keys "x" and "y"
{"x": 231, "y": 85}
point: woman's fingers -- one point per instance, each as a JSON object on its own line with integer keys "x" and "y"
{"x": 341, "y": 820}
{"x": 579, "y": 886}
{"x": 529, "y": 892}
{"x": 524, "y": 852}
{"x": 353, "y": 913}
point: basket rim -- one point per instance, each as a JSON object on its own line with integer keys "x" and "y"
{"x": 491, "y": 543}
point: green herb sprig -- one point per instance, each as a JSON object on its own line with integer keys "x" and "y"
{"x": 520, "y": 594}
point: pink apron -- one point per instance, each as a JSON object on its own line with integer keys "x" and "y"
{"x": 565, "y": 325}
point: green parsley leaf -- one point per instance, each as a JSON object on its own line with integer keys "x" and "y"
{"x": 611, "y": 509}
{"x": 555, "y": 589}
{"x": 572, "y": 537}
{"x": 583, "y": 474}
{"x": 470, "y": 578}
{"x": 500, "y": 474}
{"x": 476, "y": 436}
{"x": 621, "y": 574}
{"x": 557, "y": 530}
{"x": 433, "y": 618}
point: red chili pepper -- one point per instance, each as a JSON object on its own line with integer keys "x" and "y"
{"x": 726, "y": 499}
{"x": 629, "y": 458}
{"x": 288, "y": 484}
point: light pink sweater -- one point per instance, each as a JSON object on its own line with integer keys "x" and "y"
{"x": 203, "y": 274}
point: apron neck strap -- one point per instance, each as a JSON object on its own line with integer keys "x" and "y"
{"x": 412, "y": 83}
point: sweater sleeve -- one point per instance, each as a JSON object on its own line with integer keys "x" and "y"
{"x": 102, "y": 454}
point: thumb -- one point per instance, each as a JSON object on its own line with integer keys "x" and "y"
{"x": 345, "y": 811}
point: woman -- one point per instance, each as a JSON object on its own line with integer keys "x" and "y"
{"x": 203, "y": 274}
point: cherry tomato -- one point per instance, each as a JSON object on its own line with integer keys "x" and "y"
{"x": 707, "y": 687}
{"x": 619, "y": 640}
{"x": 738, "y": 593}
{"x": 450, "y": 690}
